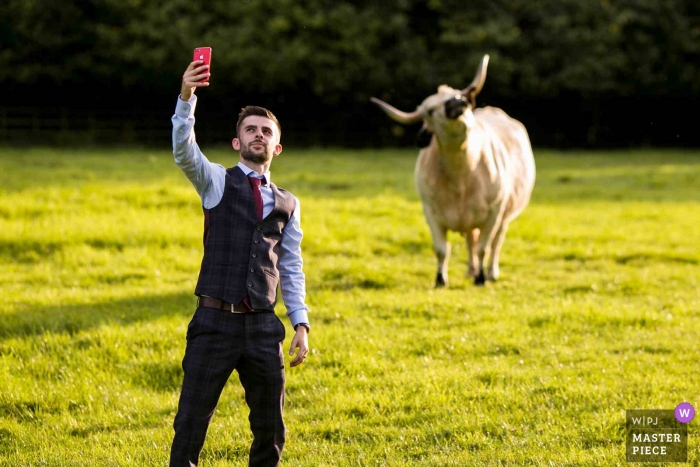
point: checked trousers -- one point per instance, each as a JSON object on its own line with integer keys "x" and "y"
{"x": 219, "y": 342}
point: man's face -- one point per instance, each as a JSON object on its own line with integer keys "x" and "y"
{"x": 258, "y": 140}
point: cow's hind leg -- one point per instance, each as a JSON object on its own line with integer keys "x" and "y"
{"x": 486, "y": 236}
{"x": 493, "y": 270}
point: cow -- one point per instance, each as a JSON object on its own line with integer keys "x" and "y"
{"x": 474, "y": 174}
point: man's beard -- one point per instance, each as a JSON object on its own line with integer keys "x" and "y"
{"x": 257, "y": 158}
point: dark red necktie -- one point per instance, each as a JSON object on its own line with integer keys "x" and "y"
{"x": 255, "y": 185}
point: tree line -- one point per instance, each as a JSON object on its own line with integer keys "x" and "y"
{"x": 578, "y": 73}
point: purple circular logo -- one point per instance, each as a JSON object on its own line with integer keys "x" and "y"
{"x": 684, "y": 412}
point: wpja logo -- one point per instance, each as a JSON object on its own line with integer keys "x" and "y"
{"x": 659, "y": 435}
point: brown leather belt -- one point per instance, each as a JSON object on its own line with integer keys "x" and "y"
{"x": 210, "y": 302}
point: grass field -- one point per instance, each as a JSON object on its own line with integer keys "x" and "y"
{"x": 596, "y": 312}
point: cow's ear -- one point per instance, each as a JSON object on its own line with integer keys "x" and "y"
{"x": 423, "y": 138}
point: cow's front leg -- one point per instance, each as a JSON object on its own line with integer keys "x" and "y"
{"x": 441, "y": 248}
{"x": 473, "y": 262}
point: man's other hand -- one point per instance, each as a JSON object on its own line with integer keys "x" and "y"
{"x": 300, "y": 341}
{"x": 192, "y": 78}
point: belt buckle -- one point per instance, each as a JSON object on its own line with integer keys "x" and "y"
{"x": 234, "y": 311}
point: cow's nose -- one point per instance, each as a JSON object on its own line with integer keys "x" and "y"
{"x": 454, "y": 108}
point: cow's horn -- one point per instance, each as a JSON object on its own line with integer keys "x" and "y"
{"x": 475, "y": 87}
{"x": 396, "y": 114}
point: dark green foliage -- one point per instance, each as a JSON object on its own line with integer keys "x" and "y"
{"x": 316, "y": 62}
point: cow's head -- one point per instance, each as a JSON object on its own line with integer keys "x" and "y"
{"x": 445, "y": 113}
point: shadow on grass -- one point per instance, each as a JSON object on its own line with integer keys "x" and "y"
{"x": 34, "y": 320}
{"x": 27, "y": 251}
{"x": 634, "y": 259}
{"x": 154, "y": 420}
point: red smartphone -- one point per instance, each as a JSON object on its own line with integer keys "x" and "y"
{"x": 203, "y": 54}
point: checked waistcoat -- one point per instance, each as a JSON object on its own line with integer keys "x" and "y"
{"x": 241, "y": 253}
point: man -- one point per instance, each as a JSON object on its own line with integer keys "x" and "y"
{"x": 252, "y": 240}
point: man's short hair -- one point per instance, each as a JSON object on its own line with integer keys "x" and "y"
{"x": 249, "y": 110}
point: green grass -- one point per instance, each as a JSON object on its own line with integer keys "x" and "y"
{"x": 596, "y": 312}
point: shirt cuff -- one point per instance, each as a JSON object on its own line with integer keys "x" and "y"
{"x": 299, "y": 316}
{"x": 186, "y": 109}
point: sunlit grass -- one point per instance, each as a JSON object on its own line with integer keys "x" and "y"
{"x": 596, "y": 312}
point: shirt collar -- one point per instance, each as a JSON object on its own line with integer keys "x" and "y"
{"x": 248, "y": 171}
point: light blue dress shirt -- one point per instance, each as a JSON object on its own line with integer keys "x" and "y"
{"x": 209, "y": 180}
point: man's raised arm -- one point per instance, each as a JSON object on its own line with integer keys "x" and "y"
{"x": 187, "y": 154}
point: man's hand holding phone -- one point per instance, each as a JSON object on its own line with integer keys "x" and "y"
{"x": 192, "y": 79}
{"x": 197, "y": 74}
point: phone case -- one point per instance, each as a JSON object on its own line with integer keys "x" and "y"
{"x": 204, "y": 54}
